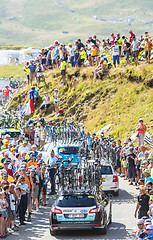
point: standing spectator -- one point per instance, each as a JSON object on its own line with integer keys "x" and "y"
{"x": 82, "y": 56}
{"x": 32, "y": 97}
{"x": 63, "y": 70}
{"x": 135, "y": 49}
{"x": 148, "y": 178}
{"x": 45, "y": 105}
{"x": 26, "y": 131}
{"x": 3, "y": 210}
{"x": 115, "y": 48}
{"x": 35, "y": 188}
{"x": 88, "y": 49}
{"x": 32, "y": 68}
{"x": 126, "y": 50}
{"x": 131, "y": 159}
{"x": 13, "y": 203}
{"x": 118, "y": 149}
{"x": 40, "y": 73}
{"x": 131, "y": 36}
{"x": 52, "y": 170}
{"x": 23, "y": 201}
{"x": 6, "y": 93}
{"x": 56, "y": 101}
{"x": 141, "y": 129}
{"x": 119, "y": 41}
{"x": 76, "y": 56}
{"x": 80, "y": 44}
{"x": 148, "y": 46}
{"x": 71, "y": 54}
{"x": 94, "y": 54}
{"x": 113, "y": 39}
{"x": 142, "y": 206}
{"x": 56, "y": 53}
{"x": 32, "y": 134}
{"x": 27, "y": 72}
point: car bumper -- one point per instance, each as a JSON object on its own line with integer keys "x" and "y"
{"x": 73, "y": 226}
{"x": 114, "y": 188}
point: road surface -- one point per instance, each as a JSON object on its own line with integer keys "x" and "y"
{"x": 123, "y": 222}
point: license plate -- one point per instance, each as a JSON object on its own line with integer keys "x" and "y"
{"x": 76, "y": 215}
{"x": 102, "y": 179}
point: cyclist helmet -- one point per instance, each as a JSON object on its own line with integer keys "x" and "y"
{"x": 30, "y": 121}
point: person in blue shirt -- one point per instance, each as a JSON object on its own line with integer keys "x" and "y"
{"x": 32, "y": 68}
{"x": 23, "y": 201}
{"x": 148, "y": 178}
{"x": 52, "y": 170}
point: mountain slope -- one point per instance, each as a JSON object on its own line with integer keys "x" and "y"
{"x": 42, "y": 21}
{"x": 120, "y": 98}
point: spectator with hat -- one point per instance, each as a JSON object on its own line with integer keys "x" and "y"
{"x": 32, "y": 161}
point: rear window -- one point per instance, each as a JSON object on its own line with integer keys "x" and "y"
{"x": 76, "y": 201}
{"x": 106, "y": 170}
{"x": 68, "y": 150}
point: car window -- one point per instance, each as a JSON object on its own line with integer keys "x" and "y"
{"x": 76, "y": 201}
{"x": 68, "y": 150}
{"x": 106, "y": 170}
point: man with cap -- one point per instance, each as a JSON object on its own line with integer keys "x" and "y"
{"x": 6, "y": 159}
{"x": 142, "y": 206}
{"x": 141, "y": 129}
{"x": 146, "y": 173}
{"x": 52, "y": 166}
{"x": 23, "y": 201}
{"x": 28, "y": 181}
{"x": 23, "y": 148}
{"x": 140, "y": 224}
{"x": 32, "y": 162}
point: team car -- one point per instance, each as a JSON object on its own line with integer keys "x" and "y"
{"x": 109, "y": 179}
{"x": 80, "y": 211}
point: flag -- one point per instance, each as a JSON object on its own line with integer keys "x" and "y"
{"x": 148, "y": 140}
{"x": 25, "y": 110}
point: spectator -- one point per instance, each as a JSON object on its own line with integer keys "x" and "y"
{"x": 52, "y": 170}
{"x": 71, "y": 54}
{"x": 118, "y": 151}
{"x": 32, "y": 68}
{"x": 63, "y": 70}
{"x": 40, "y": 73}
{"x": 142, "y": 203}
{"x": 126, "y": 50}
{"x": 6, "y": 93}
{"x": 148, "y": 46}
{"x": 119, "y": 41}
{"x": 76, "y": 56}
{"x": 27, "y": 72}
{"x": 32, "y": 97}
{"x": 131, "y": 36}
{"x": 56, "y": 101}
{"x": 141, "y": 128}
{"x": 45, "y": 105}
{"x": 131, "y": 159}
{"x": 113, "y": 39}
{"x": 135, "y": 49}
{"x": 115, "y": 48}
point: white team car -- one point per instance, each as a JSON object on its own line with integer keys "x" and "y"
{"x": 109, "y": 179}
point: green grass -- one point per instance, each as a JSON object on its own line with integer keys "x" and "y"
{"x": 121, "y": 98}
{"x": 42, "y": 22}
{"x": 11, "y": 70}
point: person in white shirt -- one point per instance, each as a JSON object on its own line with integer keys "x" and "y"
{"x": 24, "y": 148}
{"x": 18, "y": 161}
{"x": 135, "y": 49}
{"x": 115, "y": 49}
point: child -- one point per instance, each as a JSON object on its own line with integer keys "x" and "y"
{"x": 63, "y": 70}
{"x": 27, "y": 72}
{"x": 3, "y": 211}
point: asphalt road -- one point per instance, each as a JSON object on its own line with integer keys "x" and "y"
{"x": 122, "y": 227}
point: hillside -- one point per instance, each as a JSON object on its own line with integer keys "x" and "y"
{"x": 120, "y": 98}
{"x": 39, "y": 23}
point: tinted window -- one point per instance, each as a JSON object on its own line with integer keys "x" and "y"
{"x": 13, "y": 134}
{"x": 68, "y": 150}
{"x": 76, "y": 201}
{"x": 106, "y": 170}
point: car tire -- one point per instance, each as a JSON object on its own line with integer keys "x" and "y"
{"x": 116, "y": 193}
{"x": 104, "y": 230}
{"x": 53, "y": 232}
{"x": 110, "y": 216}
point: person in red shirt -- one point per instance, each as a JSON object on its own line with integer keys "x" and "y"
{"x": 131, "y": 36}
{"x": 141, "y": 128}
{"x": 6, "y": 93}
{"x": 113, "y": 39}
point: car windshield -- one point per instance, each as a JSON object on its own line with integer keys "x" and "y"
{"x": 12, "y": 134}
{"x": 76, "y": 201}
{"x": 68, "y": 150}
{"x": 106, "y": 170}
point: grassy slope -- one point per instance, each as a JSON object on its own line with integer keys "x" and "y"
{"x": 121, "y": 98}
{"x": 38, "y": 23}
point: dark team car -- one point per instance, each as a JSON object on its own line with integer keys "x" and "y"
{"x": 80, "y": 211}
